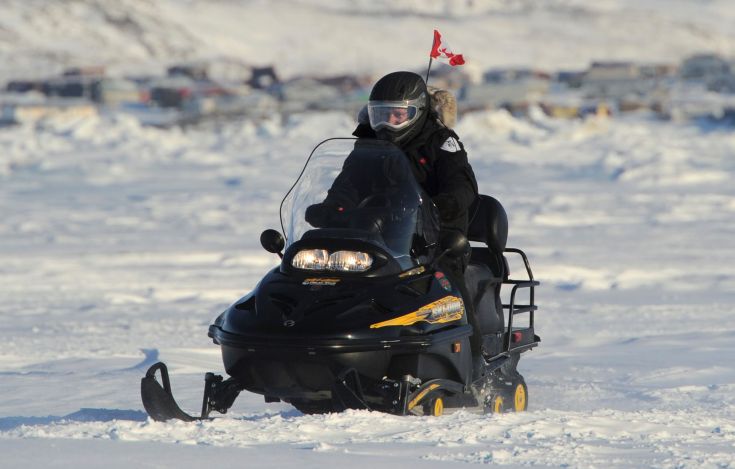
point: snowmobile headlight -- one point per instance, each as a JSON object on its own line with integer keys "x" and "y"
{"x": 311, "y": 259}
{"x": 349, "y": 261}
{"x": 448, "y": 309}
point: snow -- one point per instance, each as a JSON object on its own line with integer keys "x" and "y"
{"x": 120, "y": 244}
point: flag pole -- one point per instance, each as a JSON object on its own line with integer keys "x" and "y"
{"x": 431, "y": 57}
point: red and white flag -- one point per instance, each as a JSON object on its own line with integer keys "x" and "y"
{"x": 441, "y": 51}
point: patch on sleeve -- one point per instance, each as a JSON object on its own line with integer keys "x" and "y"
{"x": 451, "y": 145}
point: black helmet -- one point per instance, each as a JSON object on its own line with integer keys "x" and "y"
{"x": 398, "y": 106}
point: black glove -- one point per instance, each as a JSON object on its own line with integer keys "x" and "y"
{"x": 447, "y": 205}
{"x": 456, "y": 262}
{"x": 318, "y": 215}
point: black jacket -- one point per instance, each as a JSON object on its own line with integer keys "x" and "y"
{"x": 446, "y": 176}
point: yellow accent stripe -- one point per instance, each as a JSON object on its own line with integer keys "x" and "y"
{"x": 423, "y": 313}
{"x": 405, "y": 320}
{"x": 421, "y": 395}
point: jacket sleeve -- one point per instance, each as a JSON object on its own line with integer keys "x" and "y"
{"x": 456, "y": 180}
{"x": 344, "y": 191}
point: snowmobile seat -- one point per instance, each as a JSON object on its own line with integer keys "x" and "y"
{"x": 487, "y": 268}
{"x": 488, "y": 223}
{"x": 484, "y": 290}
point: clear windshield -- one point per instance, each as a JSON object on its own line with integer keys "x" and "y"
{"x": 361, "y": 189}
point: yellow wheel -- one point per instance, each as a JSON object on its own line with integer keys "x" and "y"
{"x": 438, "y": 407}
{"x": 496, "y": 404}
{"x": 520, "y": 394}
{"x": 519, "y": 399}
{"x": 434, "y": 407}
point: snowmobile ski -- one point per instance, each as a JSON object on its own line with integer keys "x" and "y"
{"x": 160, "y": 404}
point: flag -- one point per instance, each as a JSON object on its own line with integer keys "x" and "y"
{"x": 441, "y": 51}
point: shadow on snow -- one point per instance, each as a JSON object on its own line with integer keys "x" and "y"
{"x": 82, "y": 415}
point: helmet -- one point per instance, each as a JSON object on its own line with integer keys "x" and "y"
{"x": 398, "y": 106}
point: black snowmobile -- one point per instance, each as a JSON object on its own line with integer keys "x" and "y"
{"x": 359, "y": 314}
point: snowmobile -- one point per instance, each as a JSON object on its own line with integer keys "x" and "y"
{"x": 360, "y": 314}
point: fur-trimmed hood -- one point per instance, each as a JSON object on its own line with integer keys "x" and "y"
{"x": 445, "y": 105}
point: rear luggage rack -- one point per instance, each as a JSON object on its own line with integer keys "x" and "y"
{"x": 521, "y": 338}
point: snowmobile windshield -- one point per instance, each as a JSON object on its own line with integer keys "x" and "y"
{"x": 361, "y": 189}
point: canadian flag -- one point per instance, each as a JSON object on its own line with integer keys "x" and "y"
{"x": 441, "y": 51}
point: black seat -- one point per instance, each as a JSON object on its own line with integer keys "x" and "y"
{"x": 487, "y": 268}
{"x": 488, "y": 223}
{"x": 483, "y": 288}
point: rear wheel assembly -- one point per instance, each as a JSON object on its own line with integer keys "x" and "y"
{"x": 495, "y": 404}
{"x": 520, "y": 394}
{"x": 434, "y": 407}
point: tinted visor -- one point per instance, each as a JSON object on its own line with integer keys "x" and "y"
{"x": 395, "y": 115}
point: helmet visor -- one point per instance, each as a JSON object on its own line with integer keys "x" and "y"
{"x": 394, "y": 115}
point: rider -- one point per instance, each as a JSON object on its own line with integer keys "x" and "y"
{"x": 400, "y": 111}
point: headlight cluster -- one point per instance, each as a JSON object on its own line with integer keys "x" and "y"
{"x": 340, "y": 261}
{"x": 447, "y": 309}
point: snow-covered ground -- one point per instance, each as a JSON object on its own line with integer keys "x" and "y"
{"x": 119, "y": 244}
